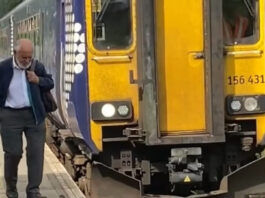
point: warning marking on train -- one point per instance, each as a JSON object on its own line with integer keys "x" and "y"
{"x": 187, "y": 179}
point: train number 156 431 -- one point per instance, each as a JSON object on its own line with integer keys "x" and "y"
{"x": 252, "y": 79}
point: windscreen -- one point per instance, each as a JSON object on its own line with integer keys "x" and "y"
{"x": 112, "y": 24}
{"x": 240, "y": 22}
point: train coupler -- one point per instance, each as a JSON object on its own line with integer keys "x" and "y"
{"x": 184, "y": 166}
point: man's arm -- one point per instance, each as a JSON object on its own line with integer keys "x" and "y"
{"x": 41, "y": 78}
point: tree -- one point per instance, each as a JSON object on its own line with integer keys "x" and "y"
{"x": 7, "y": 5}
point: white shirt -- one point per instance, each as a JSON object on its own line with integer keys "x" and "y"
{"x": 17, "y": 95}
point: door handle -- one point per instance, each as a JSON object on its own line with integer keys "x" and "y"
{"x": 198, "y": 55}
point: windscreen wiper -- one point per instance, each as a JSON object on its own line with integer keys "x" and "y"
{"x": 250, "y": 8}
{"x": 103, "y": 10}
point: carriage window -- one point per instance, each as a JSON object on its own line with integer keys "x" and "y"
{"x": 240, "y": 22}
{"x": 112, "y": 24}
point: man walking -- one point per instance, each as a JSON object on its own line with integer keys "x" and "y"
{"x": 22, "y": 110}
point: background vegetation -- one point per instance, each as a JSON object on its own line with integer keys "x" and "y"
{"x": 7, "y": 5}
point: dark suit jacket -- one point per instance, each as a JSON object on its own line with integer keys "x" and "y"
{"x": 45, "y": 84}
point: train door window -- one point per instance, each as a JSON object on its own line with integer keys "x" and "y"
{"x": 240, "y": 22}
{"x": 112, "y": 24}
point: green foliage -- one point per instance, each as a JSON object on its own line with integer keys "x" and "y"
{"x": 7, "y": 5}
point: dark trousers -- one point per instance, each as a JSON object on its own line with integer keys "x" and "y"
{"x": 14, "y": 123}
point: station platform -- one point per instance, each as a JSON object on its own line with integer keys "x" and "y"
{"x": 56, "y": 183}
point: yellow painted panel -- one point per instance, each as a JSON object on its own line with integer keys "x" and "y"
{"x": 109, "y": 76}
{"x": 181, "y": 77}
{"x": 111, "y": 82}
{"x": 250, "y": 73}
{"x": 260, "y": 128}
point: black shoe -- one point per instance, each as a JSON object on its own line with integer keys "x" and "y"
{"x": 11, "y": 190}
{"x": 35, "y": 195}
{"x": 12, "y": 194}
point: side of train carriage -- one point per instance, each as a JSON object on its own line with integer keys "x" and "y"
{"x": 156, "y": 98}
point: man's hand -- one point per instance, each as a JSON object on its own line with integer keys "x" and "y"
{"x": 32, "y": 77}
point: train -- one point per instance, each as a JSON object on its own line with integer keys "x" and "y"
{"x": 156, "y": 98}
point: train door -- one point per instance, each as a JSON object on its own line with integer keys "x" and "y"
{"x": 180, "y": 67}
{"x": 188, "y": 70}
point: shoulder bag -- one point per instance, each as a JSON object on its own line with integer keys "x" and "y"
{"x": 47, "y": 98}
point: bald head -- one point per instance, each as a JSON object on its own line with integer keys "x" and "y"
{"x": 24, "y": 45}
{"x": 23, "y": 52}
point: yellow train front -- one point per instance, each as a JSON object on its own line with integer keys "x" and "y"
{"x": 177, "y": 93}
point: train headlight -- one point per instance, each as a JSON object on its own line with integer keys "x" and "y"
{"x": 111, "y": 110}
{"x": 108, "y": 110}
{"x": 243, "y": 105}
{"x": 123, "y": 110}
{"x": 236, "y": 105}
{"x": 251, "y": 104}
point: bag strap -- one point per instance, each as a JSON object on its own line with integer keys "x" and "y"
{"x": 33, "y": 65}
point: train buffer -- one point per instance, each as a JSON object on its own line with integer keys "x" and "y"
{"x": 56, "y": 183}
